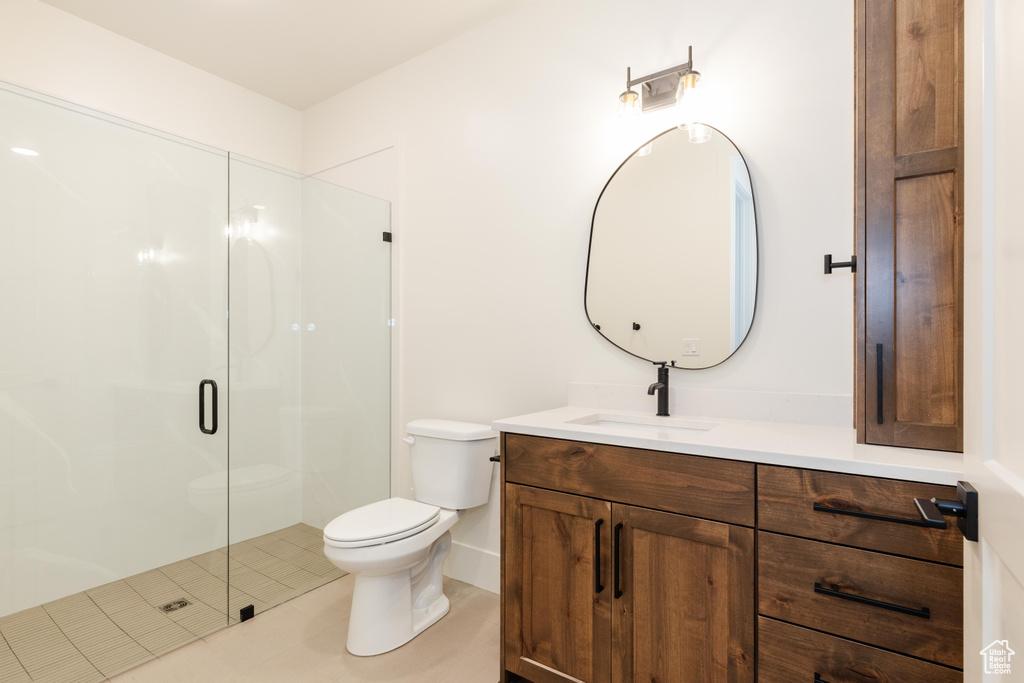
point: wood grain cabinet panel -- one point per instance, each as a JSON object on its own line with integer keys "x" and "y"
{"x": 557, "y": 625}
{"x": 722, "y": 490}
{"x": 918, "y": 606}
{"x": 787, "y": 496}
{"x": 685, "y": 611}
{"x": 909, "y": 223}
{"x": 790, "y": 654}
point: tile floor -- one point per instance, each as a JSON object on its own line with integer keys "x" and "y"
{"x": 303, "y": 641}
{"x": 90, "y": 636}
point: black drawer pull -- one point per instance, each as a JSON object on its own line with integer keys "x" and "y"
{"x": 834, "y": 591}
{"x": 818, "y": 678}
{"x": 880, "y": 382}
{"x": 616, "y": 549}
{"x": 598, "y": 586}
{"x": 818, "y": 507}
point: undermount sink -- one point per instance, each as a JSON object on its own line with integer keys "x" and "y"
{"x": 651, "y": 426}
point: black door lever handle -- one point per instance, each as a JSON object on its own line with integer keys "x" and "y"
{"x": 964, "y": 508}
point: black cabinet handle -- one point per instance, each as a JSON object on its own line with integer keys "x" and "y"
{"x": 830, "y": 264}
{"x": 880, "y": 382}
{"x": 616, "y": 545}
{"x": 818, "y": 507}
{"x": 818, "y": 678}
{"x": 202, "y": 407}
{"x": 598, "y": 586}
{"x": 834, "y": 591}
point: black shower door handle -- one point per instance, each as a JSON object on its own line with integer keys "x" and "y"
{"x": 202, "y": 407}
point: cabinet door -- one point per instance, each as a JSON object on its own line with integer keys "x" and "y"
{"x": 910, "y": 223}
{"x": 557, "y": 586}
{"x": 683, "y": 607}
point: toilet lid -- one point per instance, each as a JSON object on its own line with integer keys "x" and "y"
{"x": 382, "y": 521}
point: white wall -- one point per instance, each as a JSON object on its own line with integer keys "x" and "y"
{"x": 56, "y": 53}
{"x": 505, "y": 137}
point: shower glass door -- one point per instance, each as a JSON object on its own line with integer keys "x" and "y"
{"x": 113, "y": 310}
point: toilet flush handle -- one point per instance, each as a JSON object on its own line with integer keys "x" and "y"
{"x": 409, "y": 440}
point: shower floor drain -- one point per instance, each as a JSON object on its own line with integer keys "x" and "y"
{"x": 175, "y": 605}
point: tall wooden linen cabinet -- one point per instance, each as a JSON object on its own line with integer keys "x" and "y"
{"x": 909, "y": 223}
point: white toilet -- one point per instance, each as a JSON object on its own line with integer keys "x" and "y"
{"x": 396, "y": 547}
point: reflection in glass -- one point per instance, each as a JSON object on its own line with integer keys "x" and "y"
{"x": 672, "y": 272}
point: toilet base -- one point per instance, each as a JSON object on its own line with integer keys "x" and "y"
{"x": 389, "y": 611}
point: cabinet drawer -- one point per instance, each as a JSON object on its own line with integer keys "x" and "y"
{"x": 787, "y": 499}
{"x": 917, "y": 610}
{"x": 721, "y": 490}
{"x": 790, "y": 654}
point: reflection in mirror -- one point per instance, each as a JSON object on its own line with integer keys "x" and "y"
{"x": 251, "y": 269}
{"x": 672, "y": 272}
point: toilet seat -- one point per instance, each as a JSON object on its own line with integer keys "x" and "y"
{"x": 381, "y": 522}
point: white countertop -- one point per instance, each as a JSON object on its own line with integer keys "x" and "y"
{"x": 834, "y": 449}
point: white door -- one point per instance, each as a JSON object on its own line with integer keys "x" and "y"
{"x": 994, "y": 331}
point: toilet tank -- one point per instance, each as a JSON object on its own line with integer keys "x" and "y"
{"x": 451, "y": 465}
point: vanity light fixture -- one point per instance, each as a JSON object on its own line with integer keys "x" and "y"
{"x": 661, "y": 89}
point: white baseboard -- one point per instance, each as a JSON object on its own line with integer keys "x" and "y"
{"x": 475, "y": 566}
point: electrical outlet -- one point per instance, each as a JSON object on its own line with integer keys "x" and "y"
{"x": 691, "y": 347}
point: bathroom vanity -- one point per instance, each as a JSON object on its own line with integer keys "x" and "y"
{"x": 636, "y": 548}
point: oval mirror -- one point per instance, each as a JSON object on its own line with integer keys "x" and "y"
{"x": 672, "y": 270}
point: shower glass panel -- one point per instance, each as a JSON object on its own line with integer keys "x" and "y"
{"x": 112, "y": 311}
{"x": 309, "y": 374}
{"x": 346, "y": 350}
{"x": 265, "y": 382}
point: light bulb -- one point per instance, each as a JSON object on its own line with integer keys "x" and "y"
{"x": 687, "y": 84}
{"x": 629, "y": 103}
{"x": 698, "y": 133}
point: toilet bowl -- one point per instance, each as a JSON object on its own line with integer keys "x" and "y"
{"x": 396, "y": 547}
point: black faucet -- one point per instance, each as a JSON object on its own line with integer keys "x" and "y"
{"x": 661, "y": 386}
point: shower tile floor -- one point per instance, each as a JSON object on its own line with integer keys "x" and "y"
{"x": 91, "y": 636}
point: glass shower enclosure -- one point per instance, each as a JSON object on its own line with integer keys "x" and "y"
{"x": 194, "y": 379}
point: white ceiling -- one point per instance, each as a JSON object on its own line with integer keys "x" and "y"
{"x": 298, "y": 52}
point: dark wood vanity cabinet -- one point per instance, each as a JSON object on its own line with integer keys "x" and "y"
{"x": 595, "y": 589}
{"x": 623, "y": 565}
{"x": 909, "y": 223}
{"x": 851, "y": 586}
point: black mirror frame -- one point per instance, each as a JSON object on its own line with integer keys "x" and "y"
{"x": 757, "y": 249}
